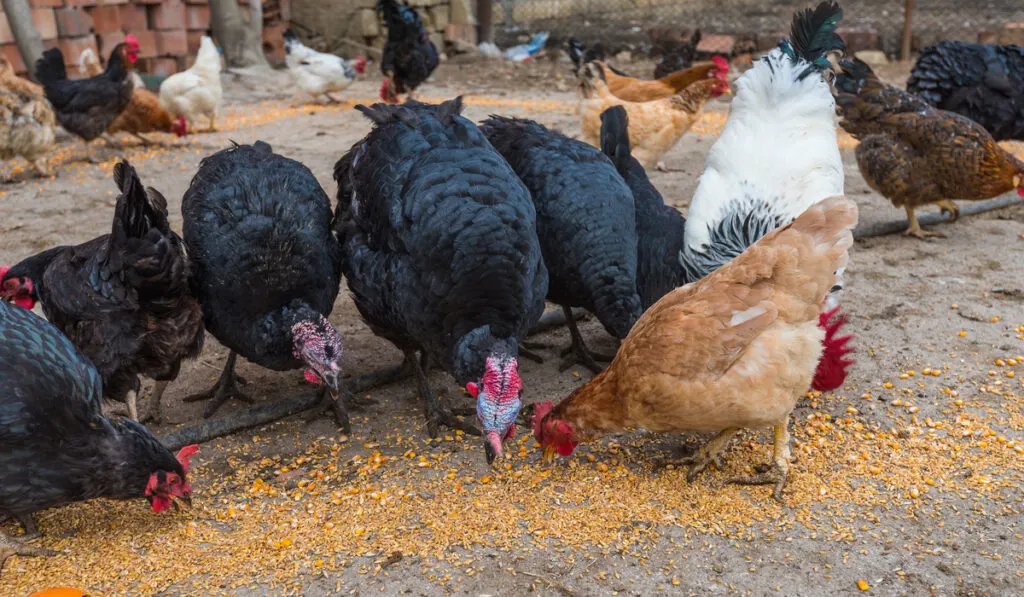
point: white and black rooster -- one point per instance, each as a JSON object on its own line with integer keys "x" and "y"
{"x": 319, "y": 74}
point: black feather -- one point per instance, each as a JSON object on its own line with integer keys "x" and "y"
{"x": 813, "y": 36}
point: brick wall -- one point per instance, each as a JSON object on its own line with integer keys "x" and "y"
{"x": 168, "y": 30}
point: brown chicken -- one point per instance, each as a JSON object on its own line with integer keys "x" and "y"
{"x": 26, "y": 119}
{"x": 736, "y": 349}
{"x": 913, "y": 154}
{"x": 143, "y": 114}
{"x": 654, "y": 126}
{"x": 642, "y": 90}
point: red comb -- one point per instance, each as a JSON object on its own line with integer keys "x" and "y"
{"x": 131, "y": 39}
{"x": 540, "y": 410}
{"x": 185, "y": 454}
{"x": 722, "y": 64}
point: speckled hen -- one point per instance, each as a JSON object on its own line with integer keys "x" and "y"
{"x": 586, "y": 222}
{"x": 442, "y": 255}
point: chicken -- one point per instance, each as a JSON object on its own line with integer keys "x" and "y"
{"x": 409, "y": 55}
{"x": 659, "y": 228}
{"x": 195, "y": 93}
{"x": 734, "y": 350}
{"x": 86, "y": 107}
{"x": 460, "y": 277}
{"x": 656, "y": 125}
{"x": 777, "y": 155}
{"x": 982, "y": 82}
{"x": 586, "y": 223}
{"x": 122, "y": 298}
{"x": 679, "y": 58}
{"x": 913, "y": 154}
{"x": 89, "y": 65}
{"x": 267, "y": 268}
{"x": 26, "y": 119}
{"x": 318, "y": 74}
{"x": 56, "y": 447}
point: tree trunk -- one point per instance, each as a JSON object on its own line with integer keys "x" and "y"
{"x": 241, "y": 41}
{"x": 30, "y": 45}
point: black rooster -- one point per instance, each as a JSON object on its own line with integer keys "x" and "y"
{"x": 86, "y": 107}
{"x": 409, "y": 55}
{"x": 122, "y": 298}
{"x": 659, "y": 228}
{"x": 982, "y": 82}
{"x": 442, "y": 255}
{"x": 267, "y": 267}
{"x": 679, "y": 58}
{"x": 586, "y": 222}
{"x": 56, "y": 447}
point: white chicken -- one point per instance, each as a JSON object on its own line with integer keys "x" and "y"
{"x": 778, "y": 153}
{"x": 195, "y": 93}
{"x": 316, "y": 73}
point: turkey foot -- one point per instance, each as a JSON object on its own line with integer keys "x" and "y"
{"x": 776, "y": 473}
{"x": 529, "y": 354}
{"x": 577, "y": 352}
{"x": 225, "y": 389}
{"x": 435, "y": 414}
{"x": 9, "y": 547}
{"x": 709, "y": 453}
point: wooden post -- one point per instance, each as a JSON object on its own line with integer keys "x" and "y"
{"x": 485, "y": 21}
{"x": 30, "y": 45}
{"x": 908, "y": 30}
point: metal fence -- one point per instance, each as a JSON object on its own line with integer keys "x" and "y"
{"x": 868, "y": 24}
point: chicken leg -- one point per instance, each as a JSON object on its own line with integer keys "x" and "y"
{"x": 9, "y": 547}
{"x": 949, "y": 207}
{"x": 778, "y": 471}
{"x": 155, "y": 397}
{"x": 225, "y": 389}
{"x": 435, "y": 414}
{"x": 213, "y": 127}
{"x": 709, "y": 453}
{"x": 40, "y": 165}
{"x": 915, "y": 228}
{"x": 577, "y": 352}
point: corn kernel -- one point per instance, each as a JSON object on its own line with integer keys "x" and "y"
{"x": 863, "y": 585}
{"x": 887, "y": 385}
{"x": 963, "y": 334}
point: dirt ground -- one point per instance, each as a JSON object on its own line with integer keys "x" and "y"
{"x": 906, "y": 482}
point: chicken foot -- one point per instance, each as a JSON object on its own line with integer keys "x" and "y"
{"x": 948, "y": 207}
{"x": 577, "y": 352}
{"x": 709, "y": 453}
{"x": 435, "y": 414}
{"x": 776, "y": 473}
{"x": 915, "y": 227}
{"x": 10, "y": 547}
{"x": 156, "y": 396}
{"x": 225, "y": 389}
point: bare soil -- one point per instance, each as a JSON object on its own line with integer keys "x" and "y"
{"x": 908, "y": 482}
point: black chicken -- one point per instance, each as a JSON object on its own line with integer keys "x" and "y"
{"x": 442, "y": 256}
{"x": 409, "y": 55}
{"x": 679, "y": 58}
{"x": 267, "y": 267}
{"x": 86, "y": 107}
{"x": 586, "y": 222}
{"x": 56, "y": 447}
{"x": 659, "y": 228}
{"x": 122, "y": 298}
{"x": 982, "y": 82}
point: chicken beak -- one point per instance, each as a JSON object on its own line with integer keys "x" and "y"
{"x": 549, "y": 454}
{"x": 185, "y": 499}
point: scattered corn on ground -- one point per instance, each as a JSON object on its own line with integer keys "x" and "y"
{"x": 864, "y": 456}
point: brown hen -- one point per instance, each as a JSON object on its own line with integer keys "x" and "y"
{"x": 913, "y": 154}
{"x": 26, "y": 119}
{"x": 643, "y": 90}
{"x": 736, "y": 349}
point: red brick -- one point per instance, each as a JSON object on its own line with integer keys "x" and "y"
{"x": 162, "y": 67}
{"x": 198, "y": 2}
{"x": 147, "y": 1}
{"x": 105, "y": 19}
{"x": 11, "y": 54}
{"x": 717, "y": 44}
{"x": 171, "y": 43}
{"x": 46, "y": 3}
{"x": 988, "y": 37}
{"x": 72, "y": 48}
{"x": 6, "y": 35}
{"x": 81, "y": 2}
{"x": 197, "y": 18}
{"x": 768, "y": 41}
{"x": 194, "y": 39}
{"x": 72, "y": 22}
{"x": 286, "y": 10}
{"x": 133, "y": 18}
{"x": 45, "y": 22}
{"x": 107, "y": 41}
{"x": 167, "y": 15}
{"x": 147, "y": 43}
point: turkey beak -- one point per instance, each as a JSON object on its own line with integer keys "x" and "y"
{"x": 331, "y": 380}
{"x": 492, "y": 446}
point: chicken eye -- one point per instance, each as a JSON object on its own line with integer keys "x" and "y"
{"x": 173, "y": 481}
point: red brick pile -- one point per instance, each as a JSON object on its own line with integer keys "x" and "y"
{"x": 168, "y": 30}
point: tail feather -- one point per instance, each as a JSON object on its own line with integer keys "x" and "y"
{"x": 137, "y": 211}
{"x": 854, "y": 75}
{"x": 50, "y": 67}
{"x": 813, "y": 37}
{"x": 615, "y": 136}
